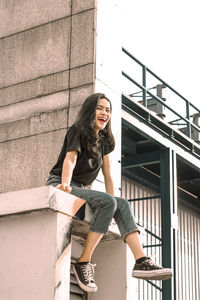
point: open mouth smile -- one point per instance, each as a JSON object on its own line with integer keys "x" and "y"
{"x": 102, "y": 120}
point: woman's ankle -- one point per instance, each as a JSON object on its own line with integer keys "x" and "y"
{"x": 82, "y": 259}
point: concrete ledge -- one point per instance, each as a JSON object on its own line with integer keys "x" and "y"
{"x": 34, "y": 107}
{"x": 38, "y": 124}
{"x": 46, "y": 197}
{"x": 49, "y": 197}
{"x": 35, "y": 88}
{"x": 35, "y": 227}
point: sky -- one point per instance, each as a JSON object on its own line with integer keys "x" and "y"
{"x": 165, "y": 36}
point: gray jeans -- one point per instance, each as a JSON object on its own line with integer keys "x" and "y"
{"x": 104, "y": 207}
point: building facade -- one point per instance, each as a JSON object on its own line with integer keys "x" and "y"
{"x": 53, "y": 55}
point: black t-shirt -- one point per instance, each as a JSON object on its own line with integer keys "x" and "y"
{"x": 86, "y": 169}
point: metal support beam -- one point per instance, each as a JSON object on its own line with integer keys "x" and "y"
{"x": 141, "y": 159}
{"x": 168, "y": 187}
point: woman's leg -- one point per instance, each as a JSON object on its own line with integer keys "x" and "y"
{"x": 144, "y": 267}
{"x": 92, "y": 241}
{"x": 134, "y": 244}
{"x": 103, "y": 206}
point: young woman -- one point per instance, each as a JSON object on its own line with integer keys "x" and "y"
{"x": 86, "y": 149}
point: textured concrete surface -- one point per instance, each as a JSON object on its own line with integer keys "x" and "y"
{"x": 31, "y": 235}
{"x": 16, "y": 16}
{"x": 79, "y": 6}
{"x": 35, "y": 88}
{"x": 77, "y": 97}
{"x": 26, "y": 162}
{"x": 34, "y": 53}
{"x": 82, "y": 75}
{"x": 41, "y": 123}
{"x": 45, "y": 197}
{"x": 48, "y": 65}
{"x": 111, "y": 255}
{"x": 78, "y": 94}
{"x": 33, "y": 107}
{"x": 83, "y": 38}
{"x": 41, "y": 254}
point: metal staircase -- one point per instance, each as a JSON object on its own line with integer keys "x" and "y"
{"x": 160, "y": 149}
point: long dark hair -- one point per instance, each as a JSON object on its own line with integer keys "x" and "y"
{"x": 86, "y": 119}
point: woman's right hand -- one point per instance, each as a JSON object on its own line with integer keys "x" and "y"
{"x": 64, "y": 187}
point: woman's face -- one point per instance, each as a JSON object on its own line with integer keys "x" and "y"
{"x": 102, "y": 116}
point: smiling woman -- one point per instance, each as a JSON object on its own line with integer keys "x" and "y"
{"x": 85, "y": 151}
{"x": 102, "y": 116}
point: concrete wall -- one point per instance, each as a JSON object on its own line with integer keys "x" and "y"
{"x": 110, "y": 274}
{"x": 35, "y": 227}
{"x": 53, "y": 55}
{"x": 36, "y": 248}
{"x": 47, "y": 67}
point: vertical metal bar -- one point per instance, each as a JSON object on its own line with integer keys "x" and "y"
{"x": 186, "y": 256}
{"x": 181, "y": 287}
{"x": 168, "y": 186}
{"x": 185, "y": 279}
{"x": 179, "y": 296}
{"x": 194, "y": 259}
{"x": 188, "y": 117}
{"x": 192, "y": 256}
{"x": 144, "y": 93}
{"x": 197, "y": 255}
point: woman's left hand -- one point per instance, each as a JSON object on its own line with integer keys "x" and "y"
{"x": 64, "y": 187}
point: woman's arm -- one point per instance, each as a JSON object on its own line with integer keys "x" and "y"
{"x": 67, "y": 170}
{"x": 106, "y": 169}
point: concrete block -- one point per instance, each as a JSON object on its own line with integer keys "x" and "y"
{"x": 77, "y": 97}
{"x": 38, "y": 223}
{"x": 33, "y": 107}
{"x": 37, "y": 52}
{"x": 16, "y": 16}
{"x": 35, "y": 88}
{"x": 82, "y": 75}
{"x": 28, "y": 259}
{"x": 83, "y": 38}
{"x": 79, "y": 94}
{"x": 82, "y": 5}
{"x": 41, "y": 123}
{"x": 73, "y": 112}
{"x": 26, "y": 162}
{"x": 110, "y": 258}
{"x": 45, "y": 197}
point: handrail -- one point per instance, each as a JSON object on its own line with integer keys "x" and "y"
{"x": 157, "y": 77}
{"x": 145, "y": 92}
{"x": 159, "y": 100}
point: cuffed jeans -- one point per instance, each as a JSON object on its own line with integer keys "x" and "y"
{"x": 104, "y": 207}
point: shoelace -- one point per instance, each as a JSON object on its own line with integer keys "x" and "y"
{"x": 148, "y": 260}
{"x": 88, "y": 272}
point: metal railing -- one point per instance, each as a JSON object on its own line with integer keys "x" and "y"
{"x": 192, "y": 113}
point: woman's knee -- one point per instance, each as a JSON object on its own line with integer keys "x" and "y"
{"x": 110, "y": 202}
{"x": 123, "y": 203}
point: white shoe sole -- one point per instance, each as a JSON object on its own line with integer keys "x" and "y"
{"x": 153, "y": 274}
{"x": 82, "y": 286}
